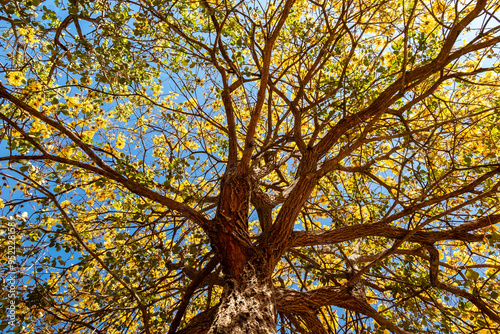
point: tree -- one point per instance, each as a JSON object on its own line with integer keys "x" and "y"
{"x": 252, "y": 167}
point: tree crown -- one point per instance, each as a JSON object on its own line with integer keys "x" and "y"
{"x": 346, "y": 151}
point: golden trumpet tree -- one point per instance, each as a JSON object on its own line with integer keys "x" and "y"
{"x": 293, "y": 166}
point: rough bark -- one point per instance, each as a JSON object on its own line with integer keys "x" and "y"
{"x": 349, "y": 298}
{"x": 247, "y": 305}
{"x": 230, "y": 234}
{"x": 251, "y": 307}
{"x": 248, "y": 302}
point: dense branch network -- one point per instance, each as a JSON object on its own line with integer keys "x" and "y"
{"x": 325, "y": 155}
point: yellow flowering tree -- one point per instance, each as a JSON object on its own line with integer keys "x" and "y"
{"x": 250, "y": 167}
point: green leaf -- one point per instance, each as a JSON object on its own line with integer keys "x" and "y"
{"x": 471, "y": 274}
{"x": 73, "y": 10}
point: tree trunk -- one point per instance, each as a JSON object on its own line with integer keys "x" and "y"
{"x": 248, "y": 305}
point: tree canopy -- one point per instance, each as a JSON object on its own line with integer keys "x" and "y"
{"x": 293, "y": 166}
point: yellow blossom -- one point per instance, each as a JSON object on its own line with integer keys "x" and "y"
{"x": 100, "y": 122}
{"x": 101, "y": 195}
{"x": 34, "y": 86}
{"x": 190, "y": 145}
{"x": 72, "y": 101}
{"x": 38, "y": 126}
{"x": 87, "y": 107}
{"x": 28, "y": 35}
{"x": 38, "y": 102}
{"x": 120, "y": 142}
{"x": 15, "y": 78}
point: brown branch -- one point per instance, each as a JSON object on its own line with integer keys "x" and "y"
{"x": 461, "y": 232}
{"x": 200, "y": 324}
{"x": 290, "y": 301}
{"x": 59, "y": 30}
{"x": 227, "y": 90}
{"x": 189, "y": 292}
{"x": 314, "y": 325}
{"x": 476, "y": 300}
{"x": 278, "y": 238}
{"x": 104, "y": 169}
{"x": 261, "y": 94}
{"x": 393, "y": 92}
{"x": 295, "y": 321}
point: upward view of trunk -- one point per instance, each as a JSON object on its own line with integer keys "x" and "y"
{"x": 248, "y": 306}
{"x": 248, "y": 303}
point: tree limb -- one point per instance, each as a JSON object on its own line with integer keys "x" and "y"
{"x": 461, "y": 232}
{"x": 104, "y": 169}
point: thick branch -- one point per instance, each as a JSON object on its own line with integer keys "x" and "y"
{"x": 393, "y": 92}
{"x": 289, "y": 301}
{"x": 313, "y": 324}
{"x": 200, "y": 324}
{"x": 461, "y": 232}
